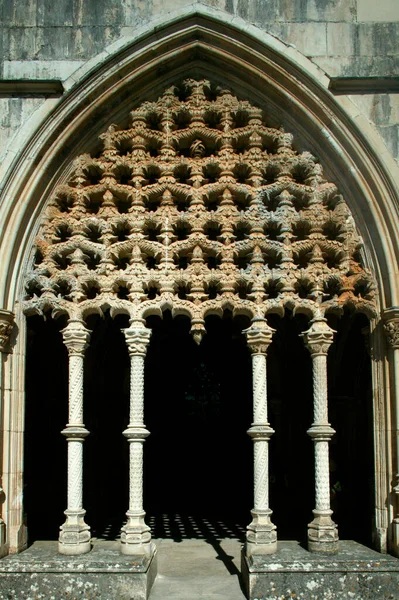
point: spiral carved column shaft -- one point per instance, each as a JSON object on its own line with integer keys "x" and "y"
{"x": 261, "y": 533}
{"x": 136, "y": 535}
{"x": 75, "y": 533}
{"x": 322, "y": 531}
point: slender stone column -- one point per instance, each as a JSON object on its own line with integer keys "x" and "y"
{"x": 391, "y": 325}
{"x": 6, "y": 326}
{"x": 261, "y": 533}
{"x": 322, "y": 531}
{"x": 136, "y": 535}
{"x": 74, "y": 533}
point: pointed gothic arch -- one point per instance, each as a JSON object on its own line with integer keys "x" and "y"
{"x": 260, "y": 68}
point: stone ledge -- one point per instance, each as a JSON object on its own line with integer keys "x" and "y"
{"x": 103, "y": 574}
{"x": 364, "y": 85}
{"x": 355, "y": 572}
{"x": 30, "y": 87}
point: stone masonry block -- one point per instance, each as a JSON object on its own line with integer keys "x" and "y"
{"x": 383, "y": 10}
{"x": 341, "y": 39}
{"x": 378, "y": 39}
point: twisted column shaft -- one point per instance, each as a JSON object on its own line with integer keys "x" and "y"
{"x": 322, "y": 531}
{"x": 75, "y": 533}
{"x": 136, "y": 535}
{"x": 261, "y": 533}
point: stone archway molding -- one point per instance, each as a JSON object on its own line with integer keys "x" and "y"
{"x": 197, "y": 42}
{"x": 201, "y": 40}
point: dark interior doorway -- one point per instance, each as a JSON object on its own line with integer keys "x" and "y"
{"x": 351, "y": 415}
{"x": 198, "y": 474}
{"x": 198, "y": 408}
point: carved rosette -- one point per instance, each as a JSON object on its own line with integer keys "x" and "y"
{"x": 6, "y": 327}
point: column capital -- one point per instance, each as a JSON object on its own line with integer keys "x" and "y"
{"x": 6, "y": 327}
{"x": 137, "y": 339}
{"x": 319, "y": 337}
{"x": 259, "y": 336}
{"x": 391, "y": 326}
{"x": 76, "y": 337}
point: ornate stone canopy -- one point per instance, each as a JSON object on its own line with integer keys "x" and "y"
{"x": 197, "y": 206}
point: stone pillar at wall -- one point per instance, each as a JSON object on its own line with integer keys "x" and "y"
{"x": 74, "y": 533}
{"x": 6, "y": 326}
{"x": 391, "y": 326}
{"x": 322, "y": 531}
{"x": 261, "y": 533}
{"x": 135, "y": 534}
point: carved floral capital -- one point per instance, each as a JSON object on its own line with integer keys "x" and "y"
{"x": 259, "y": 336}
{"x": 137, "y": 339}
{"x": 391, "y": 329}
{"x": 319, "y": 337}
{"x": 6, "y": 327}
{"x": 76, "y": 337}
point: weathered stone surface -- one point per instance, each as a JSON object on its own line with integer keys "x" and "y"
{"x": 384, "y": 10}
{"x": 325, "y": 30}
{"x": 56, "y": 43}
{"x": 355, "y": 572}
{"x": 198, "y": 203}
{"x": 102, "y": 574}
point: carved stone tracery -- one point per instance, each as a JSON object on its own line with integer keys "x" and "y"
{"x": 198, "y": 206}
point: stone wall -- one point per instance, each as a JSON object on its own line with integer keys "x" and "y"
{"x": 346, "y": 38}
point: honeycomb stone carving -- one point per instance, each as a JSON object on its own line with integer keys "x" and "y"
{"x": 197, "y": 206}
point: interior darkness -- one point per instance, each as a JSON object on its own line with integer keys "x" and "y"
{"x": 198, "y": 406}
{"x": 199, "y": 460}
{"x": 46, "y": 414}
{"x": 351, "y": 415}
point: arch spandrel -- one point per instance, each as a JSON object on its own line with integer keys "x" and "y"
{"x": 198, "y": 206}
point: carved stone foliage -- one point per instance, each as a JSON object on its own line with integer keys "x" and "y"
{"x": 6, "y": 327}
{"x": 392, "y": 333}
{"x": 197, "y": 206}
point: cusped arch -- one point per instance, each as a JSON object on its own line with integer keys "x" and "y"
{"x": 197, "y": 205}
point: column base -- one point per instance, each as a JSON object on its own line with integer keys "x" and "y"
{"x": 3, "y": 544}
{"x": 323, "y": 533}
{"x": 395, "y": 537}
{"x": 74, "y": 534}
{"x": 136, "y": 535}
{"x": 261, "y": 534}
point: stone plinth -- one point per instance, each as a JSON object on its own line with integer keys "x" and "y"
{"x": 294, "y": 572}
{"x": 102, "y": 574}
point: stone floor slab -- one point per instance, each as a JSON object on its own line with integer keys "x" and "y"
{"x": 197, "y": 569}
